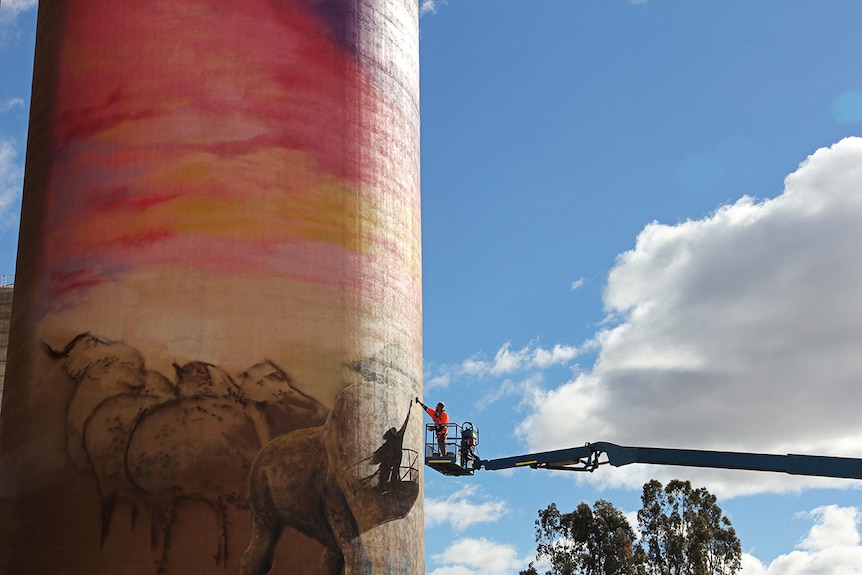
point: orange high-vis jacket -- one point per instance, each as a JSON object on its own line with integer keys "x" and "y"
{"x": 441, "y": 421}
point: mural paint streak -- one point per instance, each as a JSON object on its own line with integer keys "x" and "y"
{"x": 216, "y": 333}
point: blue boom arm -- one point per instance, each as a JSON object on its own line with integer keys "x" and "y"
{"x": 590, "y": 456}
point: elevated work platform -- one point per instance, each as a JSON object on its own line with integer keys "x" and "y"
{"x": 458, "y": 453}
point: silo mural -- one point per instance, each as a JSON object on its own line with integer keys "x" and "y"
{"x": 216, "y": 334}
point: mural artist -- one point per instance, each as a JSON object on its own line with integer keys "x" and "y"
{"x": 441, "y": 423}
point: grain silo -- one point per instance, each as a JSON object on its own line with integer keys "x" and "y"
{"x": 216, "y": 333}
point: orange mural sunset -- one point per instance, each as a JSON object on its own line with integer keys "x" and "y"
{"x": 188, "y": 152}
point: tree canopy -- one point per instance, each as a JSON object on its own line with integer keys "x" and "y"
{"x": 682, "y": 531}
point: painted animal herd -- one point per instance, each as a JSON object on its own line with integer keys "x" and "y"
{"x": 151, "y": 441}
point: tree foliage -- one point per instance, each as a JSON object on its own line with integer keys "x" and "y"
{"x": 597, "y": 541}
{"x": 682, "y": 532}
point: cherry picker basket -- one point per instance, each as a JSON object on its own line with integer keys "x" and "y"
{"x": 459, "y": 454}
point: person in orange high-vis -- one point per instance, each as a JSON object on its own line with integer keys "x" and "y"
{"x": 441, "y": 423}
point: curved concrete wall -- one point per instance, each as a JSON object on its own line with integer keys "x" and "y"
{"x": 216, "y": 334}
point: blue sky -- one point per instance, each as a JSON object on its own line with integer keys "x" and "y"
{"x": 641, "y": 224}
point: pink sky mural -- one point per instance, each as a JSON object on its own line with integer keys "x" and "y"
{"x": 222, "y": 149}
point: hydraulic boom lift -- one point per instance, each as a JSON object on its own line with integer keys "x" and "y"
{"x": 462, "y": 459}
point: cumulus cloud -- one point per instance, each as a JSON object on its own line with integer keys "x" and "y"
{"x": 11, "y": 181}
{"x": 831, "y": 547}
{"x": 739, "y": 331}
{"x": 463, "y": 509}
{"x": 480, "y": 556}
{"x": 834, "y": 527}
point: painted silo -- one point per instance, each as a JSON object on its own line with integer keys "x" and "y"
{"x": 216, "y": 332}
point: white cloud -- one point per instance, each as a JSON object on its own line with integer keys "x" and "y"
{"x": 830, "y": 548}
{"x": 474, "y": 366}
{"x": 461, "y": 510}
{"x": 740, "y": 331}
{"x": 507, "y": 361}
{"x": 480, "y": 556}
{"x": 559, "y": 354}
{"x": 526, "y": 388}
{"x": 577, "y": 283}
{"x": 523, "y": 369}
{"x": 835, "y": 526}
{"x": 632, "y": 518}
{"x": 529, "y": 357}
{"x": 10, "y": 103}
{"x": 11, "y": 8}
{"x": 11, "y": 182}
{"x": 441, "y": 380}
{"x": 430, "y": 6}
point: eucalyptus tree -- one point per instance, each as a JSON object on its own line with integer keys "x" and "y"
{"x": 681, "y": 531}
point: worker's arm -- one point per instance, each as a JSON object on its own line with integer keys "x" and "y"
{"x": 427, "y": 409}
